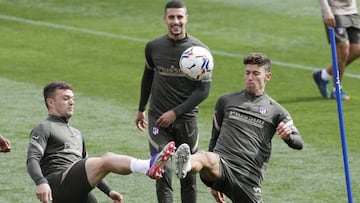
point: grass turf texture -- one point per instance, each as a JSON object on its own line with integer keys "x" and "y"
{"x": 98, "y": 47}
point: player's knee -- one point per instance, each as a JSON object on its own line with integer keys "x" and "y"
{"x": 210, "y": 169}
{"x": 212, "y": 159}
{"x": 107, "y": 158}
{"x": 107, "y": 155}
{"x": 208, "y": 159}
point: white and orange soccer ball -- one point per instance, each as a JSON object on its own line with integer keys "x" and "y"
{"x": 197, "y": 63}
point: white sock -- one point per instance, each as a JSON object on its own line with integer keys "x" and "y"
{"x": 325, "y": 75}
{"x": 188, "y": 166}
{"x": 139, "y": 165}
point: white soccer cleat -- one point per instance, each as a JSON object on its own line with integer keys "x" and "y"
{"x": 182, "y": 156}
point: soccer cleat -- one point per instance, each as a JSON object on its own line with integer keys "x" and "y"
{"x": 159, "y": 159}
{"x": 182, "y": 156}
{"x": 343, "y": 94}
{"x": 321, "y": 84}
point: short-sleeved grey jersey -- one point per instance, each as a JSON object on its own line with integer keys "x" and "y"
{"x": 55, "y": 146}
{"x": 243, "y": 128}
{"x": 170, "y": 87}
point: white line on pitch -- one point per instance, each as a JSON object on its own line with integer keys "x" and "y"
{"x": 123, "y": 37}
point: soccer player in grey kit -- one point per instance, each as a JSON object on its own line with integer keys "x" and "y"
{"x": 240, "y": 146}
{"x": 174, "y": 98}
{"x": 58, "y": 162}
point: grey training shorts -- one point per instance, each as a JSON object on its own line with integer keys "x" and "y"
{"x": 347, "y": 29}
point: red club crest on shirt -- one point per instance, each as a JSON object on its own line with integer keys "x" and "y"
{"x": 155, "y": 130}
{"x": 262, "y": 110}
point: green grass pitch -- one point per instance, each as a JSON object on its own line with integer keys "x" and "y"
{"x": 98, "y": 47}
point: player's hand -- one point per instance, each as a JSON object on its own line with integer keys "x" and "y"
{"x": 116, "y": 196}
{"x": 166, "y": 119}
{"x": 329, "y": 20}
{"x": 5, "y": 144}
{"x": 43, "y": 193}
{"x": 284, "y": 130}
{"x": 218, "y": 196}
{"x": 140, "y": 121}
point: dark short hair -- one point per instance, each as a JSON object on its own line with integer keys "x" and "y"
{"x": 259, "y": 59}
{"x": 50, "y": 88}
{"x": 174, "y": 4}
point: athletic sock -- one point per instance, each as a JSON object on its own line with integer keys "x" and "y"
{"x": 325, "y": 75}
{"x": 188, "y": 166}
{"x": 139, "y": 165}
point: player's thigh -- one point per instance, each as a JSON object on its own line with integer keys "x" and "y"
{"x": 354, "y": 35}
{"x": 234, "y": 185}
{"x": 74, "y": 185}
{"x": 207, "y": 163}
{"x": 95, "y": 169}
{"x": 354, "y": 30}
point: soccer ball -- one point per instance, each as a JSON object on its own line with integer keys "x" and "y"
{"x": 197, "y": 63}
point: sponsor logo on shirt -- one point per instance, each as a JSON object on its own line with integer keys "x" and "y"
{"x": 170, "y": 71}
{"x": 246, "y": 119}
